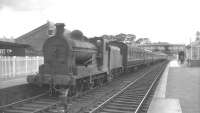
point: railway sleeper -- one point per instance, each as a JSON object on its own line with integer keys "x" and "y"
{"x": 17, "y": 111}
{"x": 125, "y": 99}
{"x": 124, "y": 102}
{"x": 124, "y": 108}
{"x": 121, "y": 105}
{"x": 24, "y": 108}
{"x": 115, "y": 111}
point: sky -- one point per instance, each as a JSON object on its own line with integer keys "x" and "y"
{"x": 173, "y": 21}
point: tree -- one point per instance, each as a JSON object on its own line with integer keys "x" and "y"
{"x": 121, "y": 37}
{"x": 143, "y": 41}
{"x": 131, "y": 37}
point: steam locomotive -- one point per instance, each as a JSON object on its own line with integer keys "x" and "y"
{"x": 75, "y": 62}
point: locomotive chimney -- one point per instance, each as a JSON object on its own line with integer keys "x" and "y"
{"x": 59, "y": 28}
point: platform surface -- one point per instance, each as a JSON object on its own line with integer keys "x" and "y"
{"x": 184, "y": 84}
{"x": 163, "y": 105}
{"x": 12, "y": 82}
{"x": 178, "y": 87}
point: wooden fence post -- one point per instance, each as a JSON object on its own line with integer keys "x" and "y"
{"x": 6, "y": 68}
{"x": 26, "y": 63}
{"x": 37, "y": 66}
{"x": 13, "y": 67}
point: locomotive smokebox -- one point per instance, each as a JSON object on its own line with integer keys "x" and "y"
{"x": 59, "y": 28}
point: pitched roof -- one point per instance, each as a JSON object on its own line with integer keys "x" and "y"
{"x": 36, "y": 37}
{"x": 196, "y": 43}
{"x": 28, "y": 35}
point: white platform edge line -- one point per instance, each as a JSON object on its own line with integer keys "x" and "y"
{"x": 179, "y": 108}
{"x": 161, "y": 88}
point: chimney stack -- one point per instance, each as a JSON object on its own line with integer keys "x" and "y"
{"x": 59, "y": 28}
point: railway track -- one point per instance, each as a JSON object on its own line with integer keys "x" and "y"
{"x": 47, "y": 104}
{"x": 132, "y": 97}
{"x": 99, "y": 95}
{"x": 37, "y": 104}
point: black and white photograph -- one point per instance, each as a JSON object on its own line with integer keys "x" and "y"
{"x": 99, "y": 56}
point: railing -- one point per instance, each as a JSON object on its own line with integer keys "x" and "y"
{"x": 15, "y": 67}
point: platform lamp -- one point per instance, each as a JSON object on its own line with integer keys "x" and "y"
{"x": 190, "y": 52}
{"x": 198, "y": 42}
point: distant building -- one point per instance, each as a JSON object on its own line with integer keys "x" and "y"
{"x": 193, "y": 53}
{"x": 36, "y": 37}
{"x": 164, "y": 47}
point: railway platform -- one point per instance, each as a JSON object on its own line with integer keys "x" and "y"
{"x": 12, "y": 82}
{"x": 16, "y": 89}
{"x": 178, "y": 90}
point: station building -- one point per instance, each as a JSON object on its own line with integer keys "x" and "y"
{"x": 13, "y": 49}
{"x": 193, "y": 53}
{"x": 36, "y": 38}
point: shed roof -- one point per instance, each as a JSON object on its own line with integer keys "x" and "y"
{"x": 28, "y": 35}
{"x": 196, "y": 43}
{"x": 11, "y": 44}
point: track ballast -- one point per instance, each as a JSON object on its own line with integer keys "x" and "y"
{"x": 131, "y": 98}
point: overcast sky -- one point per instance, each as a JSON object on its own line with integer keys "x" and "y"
{"x": 173, "y": 21}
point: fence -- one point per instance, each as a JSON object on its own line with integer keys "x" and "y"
{"x": 14, "y": 67}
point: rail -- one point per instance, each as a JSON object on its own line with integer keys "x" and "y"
{"x": 137, "y": 91}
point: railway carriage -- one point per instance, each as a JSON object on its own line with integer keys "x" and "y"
{"x": 108, "y": 55}
{"x": 135, "y": 56}
{"x": 148, "y": 57}
{"x": 123, "y": 51}
{"x": 132, "y": 56}
{"x": 115, "y": 60}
